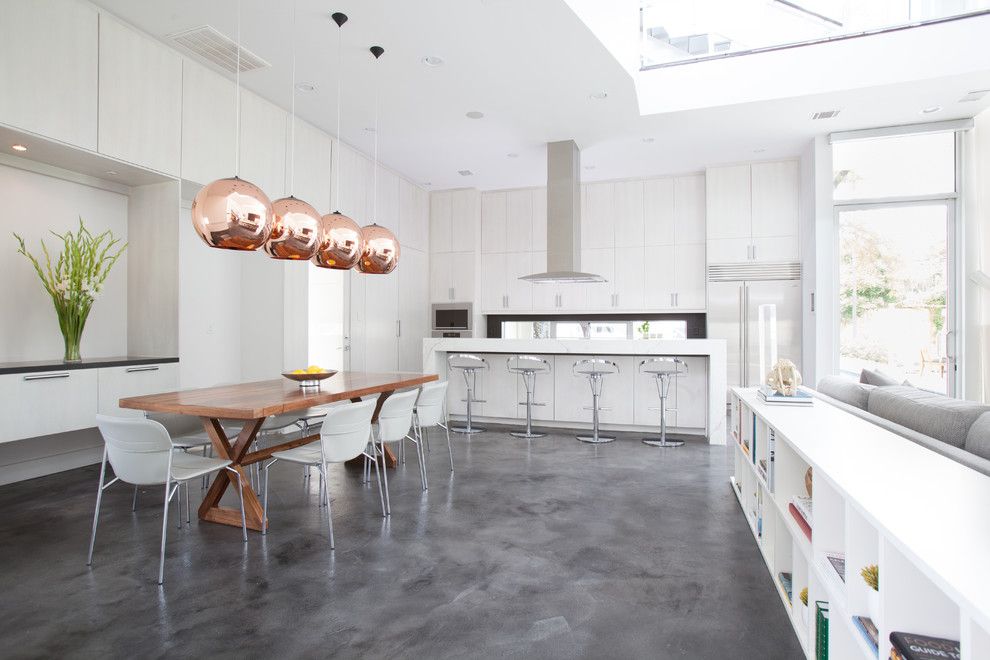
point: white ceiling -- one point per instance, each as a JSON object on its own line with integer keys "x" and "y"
{"x": 530, "y": 66}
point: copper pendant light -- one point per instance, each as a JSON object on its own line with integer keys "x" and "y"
{"x": 233, "y": 214}
{"x": 296, "y": 226}
{"x": 381, "y": 249}
{"x": 339, "y": 244}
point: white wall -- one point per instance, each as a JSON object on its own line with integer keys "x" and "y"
{"x": 33, "y": 205}
{"x": 976, "y": 299}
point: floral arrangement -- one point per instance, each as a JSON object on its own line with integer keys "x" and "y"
{"x": 76, "y": 278}
{"x": 871, "y": 575}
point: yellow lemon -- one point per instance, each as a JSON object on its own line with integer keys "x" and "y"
{"x": 298, "y": 371}
{"x": 313, "y": 369}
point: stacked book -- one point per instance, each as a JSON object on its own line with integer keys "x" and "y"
{"x": 772, "y": 398}
{"x": 869, "y": 631}
{"x": 800, "y": 509}
{"x": 908, "y": 646}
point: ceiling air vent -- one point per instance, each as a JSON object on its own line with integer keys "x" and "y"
{"x": 975, "y": 95}
{"x": 465, "y": 172}
{"x": 825, "y": 114}
{"x": 219, "y": 50}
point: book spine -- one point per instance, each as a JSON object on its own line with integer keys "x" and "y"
{"x": 799, "y": 519}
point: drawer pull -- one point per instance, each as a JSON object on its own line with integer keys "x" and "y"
{"x": 61, "y": 374}
{"x": 131, "y": 370}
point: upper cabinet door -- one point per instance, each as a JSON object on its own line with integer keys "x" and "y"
{"x": 48, "y": 69}
{"x": 776, "y": 198}
{"x": 597, "y": 221}
{"x": 689, "y": 209}
{"x": 519, "y": 292}
{"x": 493, "y": 222}
{"x": 465, "y": 217}
{"x": 493, "y": 282}
{"x": 140, "y": 91}
{"x": 462, "y": 276}
{"x": 627, "y": 214}
{"x": 519, "y": 221}
{"x": 413, "y": 216}
{"x": 658, "y": 211}
{"x": 208, "y": 138}
{"x": 263, "y": 128}
{"x": 440, "y": 221}
{"x": 540, "y": 220}
{"x": 309, "y": 166}
{"x": 728, "y": 208}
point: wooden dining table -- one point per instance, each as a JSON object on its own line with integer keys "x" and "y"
{"x": 253, "y": 403}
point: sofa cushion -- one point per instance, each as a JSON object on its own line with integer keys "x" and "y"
{"x": 934, "y": 415}
{"x": 869, "y": 377}
{"x": 978, "y": 438}
{"x": 846, "y": 390}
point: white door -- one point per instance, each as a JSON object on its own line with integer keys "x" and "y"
{"x": 327, "y": 313}
{"x": 381, "y": 350}
{"x": 414, "y": 316}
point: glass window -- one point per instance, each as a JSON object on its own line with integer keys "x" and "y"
{"x": 660, "y": 329}
{"x": 902, "y": 166}
{"x": 545, "y": 329}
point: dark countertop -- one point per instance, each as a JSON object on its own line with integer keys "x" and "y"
{"x": 86, "y": 363}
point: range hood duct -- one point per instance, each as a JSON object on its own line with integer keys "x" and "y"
{"x": 563, "y": 218}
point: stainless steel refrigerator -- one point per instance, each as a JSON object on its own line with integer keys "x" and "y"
{"x": 735, "y": 293}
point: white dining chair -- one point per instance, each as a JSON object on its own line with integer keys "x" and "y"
{"x": 344, "y": 436}
{"x": 141, "y": 453}
{"x": 394, "y": 424}
{"x": 430, "y": 412}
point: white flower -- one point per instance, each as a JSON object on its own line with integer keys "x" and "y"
{"x": 62, "y": 286}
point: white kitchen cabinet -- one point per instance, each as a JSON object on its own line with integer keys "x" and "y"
{"x": 776, "y": 198}
{"x": 555, "y": 297}
{"x": 519, "y": 221}
{"x": 629, "y": 281}
{"x": 440, "y": 270}
{"x": 116, "y": 383}
{"x": 776, "y": 248}
{"x": 356, "y": 340}
{"x": 501, "y": 288}
{"x": 140, "y": 92}
{"x": 308, "y": 168}
{"x": 539, "y": 220}
{"x": 730, "y": 250}
{"x": 42, "y": 403}
{"x": 385, "y": 200}
{"x": 597, "y": 208}
{"x": 519, "y": 293}
{"x": 658, "y": 212}
{"x": 452, "y": 276}
{"x": 499, "y": 386}
{"x": 690, "y": 276}
{"x": 414, "y": 311}
{"x": 728, "y": 193}
{"x": 414, "y": 217}
{"x": 493, "y": 295}
{"x": 208, "y": 138}
{"x": 441, "y": 208}
{"x": 689, "y": 209}
{"x": 381, "y": 328}
{"x": 494, "y": 213}
{"x": 628, "y": 214}
{"x": 598, "y": 296}
{"x": 49, "y": 69}
{"x": 572, "y": 393}
{"x": 263, "y": 138}
{"x": 659, "y": 275}
{"x": 465, "y": 210}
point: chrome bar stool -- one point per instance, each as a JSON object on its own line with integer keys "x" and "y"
{"x": 528, "y": 366}
{"x": 595, "y": 370}
{"x": 469, "y": 365}
{"x": 662, "y": 369}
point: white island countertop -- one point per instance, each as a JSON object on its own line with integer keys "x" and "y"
{"x": 436, "y": 349}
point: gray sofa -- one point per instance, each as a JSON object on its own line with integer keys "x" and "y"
{"x": 954, "y": 428}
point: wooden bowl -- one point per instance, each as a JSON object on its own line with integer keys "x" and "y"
{"x": 310, "y": 380}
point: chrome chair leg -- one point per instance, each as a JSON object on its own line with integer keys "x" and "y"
{"x": 326, "y": 497}
{"x": 264, "y": 500}
{"x": 383, "y": 475}
{"x": 96, "y": 514}
{"x": 450, "y": 451}
{"x": 178, "y": 505}
{"x": 381, "y": 494}
{"x": 188, "y": 515}
{"x": 169, "y": 493}
{"x": 134, "y": 501}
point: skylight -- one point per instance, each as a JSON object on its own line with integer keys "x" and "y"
{"x": 678, "y": 31}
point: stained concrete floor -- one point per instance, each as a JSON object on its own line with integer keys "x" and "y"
{"x": 548, "y": 549}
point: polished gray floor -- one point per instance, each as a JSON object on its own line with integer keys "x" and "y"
{"x": 554, "y": 549}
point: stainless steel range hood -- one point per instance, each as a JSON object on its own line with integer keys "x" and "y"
{"x": 563, "y": 218}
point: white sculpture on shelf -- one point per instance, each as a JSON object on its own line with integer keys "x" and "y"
{"x": 784, "y": 378}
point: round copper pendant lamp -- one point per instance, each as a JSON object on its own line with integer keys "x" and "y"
{"x": 232, "y": 214}
{"x": 340, "y": 245}
{"x": 295, "y": 232}
{"x": 381, "y": 251}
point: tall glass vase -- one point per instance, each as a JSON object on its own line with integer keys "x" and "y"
{"x": 71, "y": 322}
{"x": 72, "y": 340}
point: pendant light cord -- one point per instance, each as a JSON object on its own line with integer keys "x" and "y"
{"x": 340, "y": 75}
{"x": 292, "y": 117}
{"x": 237, "y": 97}
{"x": 374, "y": 205}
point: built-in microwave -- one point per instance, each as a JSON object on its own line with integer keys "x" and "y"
{"x": 452, "y": 316}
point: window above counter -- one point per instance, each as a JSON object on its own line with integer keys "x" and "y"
{"x": 597, "y": 326}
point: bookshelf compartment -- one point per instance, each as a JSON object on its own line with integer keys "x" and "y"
{"x": 862, "y": 550}
{"x": 978, "y": 643}
{"x": 910, "y": 602}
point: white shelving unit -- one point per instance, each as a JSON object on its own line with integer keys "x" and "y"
{"x": 878, "y": 499}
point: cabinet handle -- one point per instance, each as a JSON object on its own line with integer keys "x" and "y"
{"x": 62, "y": 374}
{"x": 131, "y": 370}
{"x": 677, "y": 300}
{"x": 398, "y": 327}
{"x": 671, "y": 300}
{"x": 754, "y": 253}
{"x": 450, "y": 293}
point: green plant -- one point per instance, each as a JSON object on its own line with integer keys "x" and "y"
{"x": 645, "y": 329}
{"x": 76, "y": 278}
{"x": 804, "y": 596}
{"x": 871, "y": 575}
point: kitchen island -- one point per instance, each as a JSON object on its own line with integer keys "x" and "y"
{"x": 696, "y": 404}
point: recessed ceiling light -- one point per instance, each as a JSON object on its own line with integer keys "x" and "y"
{"x": 512, "y": 155}
{"x": 432, "y": 60}
{"x": 111, "y": 172}
{"x": 589, "y": 167}
{"x": 825, "y": 114}
{"x": 474, "y": 114}
{"x": 18, "y": 147}
{"x": 648, "y": 140}
{"x": 305, "y": 87}
{"x": 599, "y": 96}
{"x": 931, "y": 109}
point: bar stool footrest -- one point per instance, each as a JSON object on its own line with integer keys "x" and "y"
{"x": 523, "y": 434}
{"x": 599, "y": 409}
{"x": 474, "y": 401}
{"x": 669, "y": 442}
{"x": 534, "y": 404}
{"x": 602, "y": 439}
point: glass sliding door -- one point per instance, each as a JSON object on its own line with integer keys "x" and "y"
{"x": 896, "y": 291}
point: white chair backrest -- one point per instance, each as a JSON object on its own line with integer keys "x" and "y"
{"x": 429, "y": 405}
{"x": 177, "y": 425}
{"x": 346, "y": 431}
{"x": 521, "y": 363}
{"x": 466, "y": 361}
{"x": 663, "y": 365}
{"x": 395, "y": 417}
{"x": 595, "y": 366}
{"x": 139, "y": 450}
